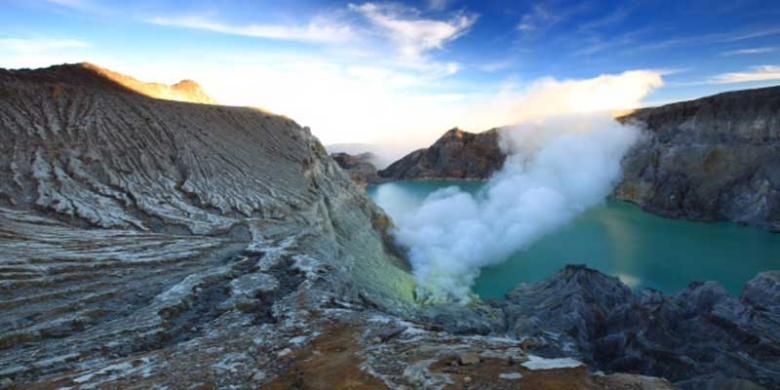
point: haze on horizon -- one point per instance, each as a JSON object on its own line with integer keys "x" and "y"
{"x": 400, "y": 73}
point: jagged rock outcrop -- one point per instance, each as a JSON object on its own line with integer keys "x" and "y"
{"x": 698, "y": 338}
{"x": 710, "y": 159}
{"x": 456, "y": 155}
{"x": 359, "y": 167}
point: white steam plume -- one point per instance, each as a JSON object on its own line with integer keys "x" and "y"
{"x": 556, "y": 170}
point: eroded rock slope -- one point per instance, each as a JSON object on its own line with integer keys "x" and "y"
{"x": 130, "y": 224}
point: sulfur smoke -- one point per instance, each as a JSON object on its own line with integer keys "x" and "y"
{"x": 556, "y": 169}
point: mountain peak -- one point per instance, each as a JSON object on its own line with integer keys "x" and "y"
{"x": 87, "y": 73}
{"x": 184, "y": 91}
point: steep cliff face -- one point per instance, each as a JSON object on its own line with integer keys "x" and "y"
{"x": 456, "y": 155}
{"x": 716, "y": 158}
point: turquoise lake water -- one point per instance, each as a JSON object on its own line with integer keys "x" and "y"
{"x": 619, "y": 239}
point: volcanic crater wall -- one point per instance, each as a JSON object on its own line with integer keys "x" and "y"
{"x": 710, "y": 159}
{"x": 128, "y": 222}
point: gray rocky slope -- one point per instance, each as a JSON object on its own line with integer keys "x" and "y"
{"x": 126, "y": 222}
{"x": 710, "y": 159}
{"x": 457, "y": 154}
{"x": 148, "y": 243}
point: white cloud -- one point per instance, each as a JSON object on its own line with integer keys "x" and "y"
{"x": 539, "y": 18}
{"x": 496, "y": 66}
{"x": 756, "y": 73}
{"x": 741, "y": 36}
{"x": 707, "y": 39}
{"x": 438, "y": 5}
{"x": 322, "y": 31}
{"x": 39, "y": 45}
{"x": 413, "y": 35}
{"x": 366, "y": 32}
{"x": 750, "y": 51}
{"x": 550, "y": 97}
{"x": 39, "y": 52}
{"x": 70, "y": 3}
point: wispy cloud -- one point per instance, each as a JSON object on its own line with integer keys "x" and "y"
{"x": 540, "y": 17}
{"x": 545, "y": 15}
{"x": 496, "y": 66}
{"x": 438, "y": 5}
{"x": 39, "y": 45}
{"x": 17, "y": 52}
{"x": 756, "y": 73}
{"x": 70, "y": 3}
{"x": 741, "y": 36}
{"x": 321, "y": 31}
{"x": 414, "y": 35}
{"x": 88, "y": 6}
{"x": 615, "y": 17}
{"x": 750, "y": 51}
{"x": 714, "y": 38}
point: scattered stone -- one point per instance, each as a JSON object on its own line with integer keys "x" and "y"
{"x": 284, "y": 352}
{"x": 258, "y": 376}
{"x": 468, "y": 358}
{"x": 6, "y": 383}
{"x": 539, "y": 363}
{"x": 642, "y": 382}
{"x": 510, "y": 376}
{"x": 387, "y": 334}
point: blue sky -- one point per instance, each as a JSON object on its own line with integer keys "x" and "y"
{"x": 377, "y": 71}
